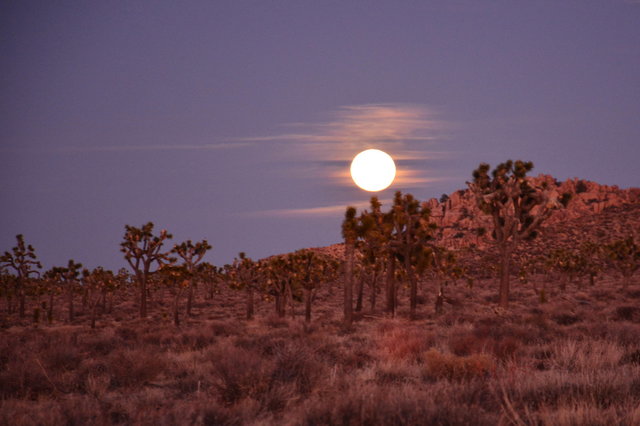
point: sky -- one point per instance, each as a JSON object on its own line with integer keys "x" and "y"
{"x": 236, "y": 121}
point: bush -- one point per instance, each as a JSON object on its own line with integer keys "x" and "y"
{"x": 452, "y": 367}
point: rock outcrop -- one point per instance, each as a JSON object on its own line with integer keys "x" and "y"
{"x": 462, "y": 224}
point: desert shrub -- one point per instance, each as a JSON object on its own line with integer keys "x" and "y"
{"x": 628, "y": 313}
{"x": 127, "y": 333}
{"x": 297, "y": 364}
{"x": 440, "y": 365}
{"x": 226, "y": 328}
{"x": 24, "y": 378}
{"x": 587, "y": 355}
{"x": 134, "y": 367}
{"x": 631, "y": 357}
{"x": 101, "y": 345}
{"x": 196, "y": 339}
{"x": 239, "y": 373}
{"x": 404, "y": 344}
{"x": 566, "y": 319}
{"x": 61, "y": 357}
{"x": 376, "y": 405}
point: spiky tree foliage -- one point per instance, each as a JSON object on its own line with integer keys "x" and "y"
{"x": 411, "y": 233}
{"x": 624, "y": 256}
{"x": 374, "y": 241}
{"x": 98, "y": 283}
{"x": 51, "y": 280}
{"x": 191, "y": 254}
{"x": 350, "y": 236}
{"x": 447, "y": 270}
{"x": 8, "y": 288}
{"x": 211, "y": 276}
{"x": 178, "y": 279}
{"x": 277, "y": 272}
{"x": 517, "y": 208}
{"x": 309, "y": 270}
{"x": 569, "y": 264}
{"x": 22, "y": 259}
{"x": 141, "y": 250}
{"x": 67, "y": 276}
{"x": 244, "y": 274}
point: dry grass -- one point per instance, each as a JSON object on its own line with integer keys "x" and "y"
{"x": 572, "y": 361}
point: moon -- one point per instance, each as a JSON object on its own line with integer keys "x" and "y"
{"x": 373, "y": 170}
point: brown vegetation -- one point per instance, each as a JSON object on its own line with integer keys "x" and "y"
{"x": 471, "y": 365}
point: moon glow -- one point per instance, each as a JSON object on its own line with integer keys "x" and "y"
{"x": 373, "y": 170}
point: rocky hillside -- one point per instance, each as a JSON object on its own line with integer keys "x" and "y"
{"x": 595, "y": 213}
{"x": 459, "y": 219}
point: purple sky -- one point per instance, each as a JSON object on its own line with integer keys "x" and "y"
{"x": 236, "y": 121}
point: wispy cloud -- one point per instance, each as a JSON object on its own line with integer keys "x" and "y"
{"x": 323, "y": 211}
{"x": 176, "y": 147}
{"x": 405, "y": 131}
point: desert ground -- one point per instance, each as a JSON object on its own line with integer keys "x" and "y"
{"x": 574, "y": 359}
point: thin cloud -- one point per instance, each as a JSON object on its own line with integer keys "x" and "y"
{"x": 323, "y": 211}
{"x": 403, "y": 130}
{"x": 128, "y": 148}
{"x": 407, "y": 132}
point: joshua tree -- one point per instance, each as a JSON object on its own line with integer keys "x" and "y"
{"x": 141, "y": 250}
{"x": 278, "y": 274}
{"x": 68, "y": 277}
{"x": 22, "y": 259}
{"x": 373, "y": 248}
{"x": 411, "y": 233}
{"x": 244, "y": 275}
{"x": 624, "y": 256}
{"x": 178, "y": 279}
{"x": 98, "y": 283}
{"x": 211, "y": 275}
{"x": 191, "y": 254}
{"x": 517, "y": 207}
{"x": 350, "y": 235}
{"x": 309, "y": 271}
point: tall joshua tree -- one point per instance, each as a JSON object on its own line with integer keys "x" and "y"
{"x": 141, "y": 250}
{"x": 411, "y": 233}
{"x": 191, "y": 254}
{"x": 350, "y": 235}
{"x": 516, "y": 206}
{"x": 68, "y": 277}
{"x": 22, "y": 259}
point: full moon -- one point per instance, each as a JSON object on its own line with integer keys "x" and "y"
{"x": 373, "y": 170}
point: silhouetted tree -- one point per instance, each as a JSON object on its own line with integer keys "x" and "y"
{"x": 244, "y": 274}
{"x": 141, "y": 250}
{"x": 22, "y": 259}
{"x": 350, "y": 235}
{"x": 67, "y": 276}
{"x": 624, "y": 256}
{"x": 516, "y": 206}
{"x": 191, "y": 254}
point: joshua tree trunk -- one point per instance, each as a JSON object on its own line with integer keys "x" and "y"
{"x": 22, "y": 301}
{"x": 372, "y": 297}
{"x": 50, "y": 311}
{"x": 70, "y": 301}
{"x": 142, "y": 278}
{"x": 413, "y": 297}
{"x": 505, "y": 266}
{"x": 94, "y": 309}
{"x": 279, "y": 305}
{"x": 360, "y": 291}
{"x": 348, "y": 285}
{"x": 190, "y": 298}
{"x": 249, "y": 302}
{"x": 176, "y": 309}
{"x": 307, "y": 305}
{"x": 391, "y": 290}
